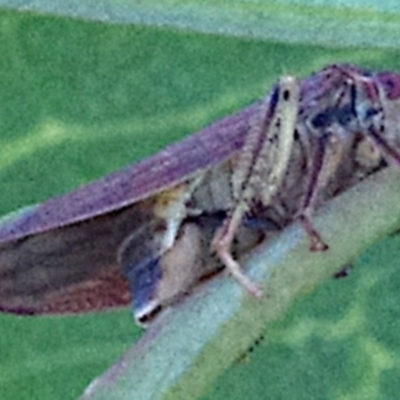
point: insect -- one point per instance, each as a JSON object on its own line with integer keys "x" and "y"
{"x": 155, "y": 229}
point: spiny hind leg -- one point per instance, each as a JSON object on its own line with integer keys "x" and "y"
{"x": 260, "y": 169}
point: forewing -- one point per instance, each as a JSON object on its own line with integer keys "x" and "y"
{"x": 165, "y": 169}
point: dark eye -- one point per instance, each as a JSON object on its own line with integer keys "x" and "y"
{"x": 323, "y": 119}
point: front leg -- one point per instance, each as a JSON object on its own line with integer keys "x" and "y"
{"x": 260, "y": 169}
{"x": 365, "y": 100}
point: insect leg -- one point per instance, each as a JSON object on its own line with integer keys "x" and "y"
{"x": 365, "y": 116}
{"x": 222, "y": 243}
{"x": 261, "y": 169}
{"x": 316, "y": 182}
{"x": 330, "y": 133}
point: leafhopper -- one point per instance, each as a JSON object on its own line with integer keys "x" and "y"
{"x": 150, "y": 233}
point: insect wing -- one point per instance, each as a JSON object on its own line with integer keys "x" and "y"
{"x": 70, "y": 269}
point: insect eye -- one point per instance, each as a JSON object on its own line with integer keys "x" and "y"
{"x": 323, "y": 119}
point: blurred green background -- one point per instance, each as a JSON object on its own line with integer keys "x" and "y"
{"x": 81, "y": 99}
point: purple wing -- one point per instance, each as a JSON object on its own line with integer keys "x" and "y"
{"x": 134, "y": 183}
